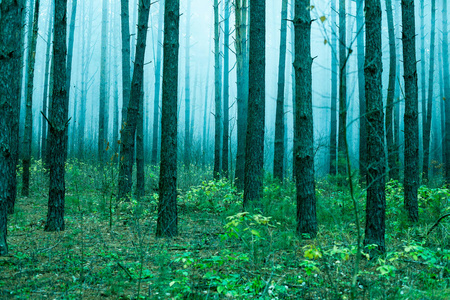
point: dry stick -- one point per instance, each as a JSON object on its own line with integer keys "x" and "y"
{"x": 437, "y": 222}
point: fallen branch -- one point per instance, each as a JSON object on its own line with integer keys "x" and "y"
{"x": 437, "y": 222}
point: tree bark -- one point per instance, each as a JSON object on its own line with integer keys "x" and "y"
{"x": 343, "y": 57}
{"x": 126, "y": 68}
{"x": 217, "y": 97}
{"x": 226, "y": 90}
{"x": 140, "y": 163}
{"x": 187, "y": 91}
{"x": 254, "y": 147}
{"x": 167, "y": 223}
{"x": 411, "y": 118}
{"x": 445, "y": 67}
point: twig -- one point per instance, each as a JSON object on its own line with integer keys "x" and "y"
{"x": 126, "y": 270}
{"x": 437, "y": 222}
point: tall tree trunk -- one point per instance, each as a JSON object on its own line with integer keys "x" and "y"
{"x": 343, "y": 57}
{"x": 69, "y": 60}
{"x": 128, "y": 133}
{"x": 116, "y": 124}
{"x": 187, "y": 91}
{"x": 102, "y": 125}
{"x": 278, "y": 160}
{"x": 156, "y": 99}
{"x": 10, "y": 71}
{"x": 445, "y": 67}
{"x": 217, "y": 91}
{"x": 226, "y": 91}
{"x": 334, "y": 90}
{"x": 361, "y": 91}
{"x": 58, "y": 122}
{"x": 167, "y": 223}
{"x": 303, "y": 126}
{"x": 242, "y": 88}
{"x": 140, "y": 163}
{"x": 28, "y": 134}
{"x": 423, "y": 86}
{"x": 254, "y": 147}
{"x": 126, "y": 68}
{"x": 427, "y": 128}
{"x": 391, "y": 92}
{"x": 411, "y": 118}
{"x": 376, "y": 198}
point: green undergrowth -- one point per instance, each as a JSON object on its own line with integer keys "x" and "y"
{"x": 109, "y": 250}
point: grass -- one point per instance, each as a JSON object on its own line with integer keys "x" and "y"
{"x": 109, "y": 250}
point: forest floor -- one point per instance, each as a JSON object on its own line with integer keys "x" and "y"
{"x": 109, "y": 249}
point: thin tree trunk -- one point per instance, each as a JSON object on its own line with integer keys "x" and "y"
{"x": 217, "y": 92}
{"x": 167, "y": 223}
{"x": 226, "y": 91}
{"x": 343, "y": 57}
{"x": 411, "y": 119}
{"x": 140, "y": 164}
{"x": 254, "y": 147}
{"x": 69, "y": 60}
{"x": 28, "y": 134}
{"x": 278, "y": 160}
{"x": 58, "y": 122}
{"x": 187, "y": 92}
{"x": 445, "y": 67}
{"x": 334, "y": 90}
{"x": 126, "y": 68}
{"x": 361, "y": 91}
{"x": 423, "y": 86}
{"x": 102, "y": 125}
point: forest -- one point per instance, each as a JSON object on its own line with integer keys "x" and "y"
{"x": 224, "y": 149}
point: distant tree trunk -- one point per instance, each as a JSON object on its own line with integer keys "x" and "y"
{"x": 441, "y": 104}
{"x": 226, "y": 90}
{"x": 126, "y": 68}
{"x": 26, "y": 160}
{"x": 69, "y": 60}
{"x": 334, "y": 91}
{"x": 10, "y": 72}
{"x": 278, "y": 160}
{"x": 128, "y": 133}
{"x": 411, "y": 111}
{"x": 187, "y": 91}
{"x": 423, "y": 86}
{"x": 217, "y": 101}
{"x": 102, "y": 125}
{"x": 58, "y": 122}
{"x": 116, "y": 124}
{"x": 427, "y": 128}
{"x": 361, "y": 91}
{"x": 156, "y": 100}
{"x": 391, "y": 91}
{"x": 140, "y": 164}
{"x": 167, "y": 223}
{"x": 254, "y": 147}
{"x": 376, "y": 198}
{"x": 445, "y": 67}
{"x": 343, "y": 57}
{"x": 303, "y": 126}
{"x": 242, "y": 88}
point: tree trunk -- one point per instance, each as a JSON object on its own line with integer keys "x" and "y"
{"x": 156, "y": 100}
{"x": 303, "y": 126}
{"x": 58, "y": 120}
{"x": 445, "y": 67}
{"x": 376, "y": 198}
{"x": 187, "y": 92}
{"x": 411, "y": 119}
{"x": 126, "y": 68}
{"x": 226, "y": 91}
{"x": 217, "y": 101}
{"x": 361, "y": 91}
{"x": 167, "y": 223}
{"x": 26, "y": 160}
{"x": 334, "y": 91}
{"x": 102, "y": 125}
{"x": 242, "y": 88}
{"x": 69, "y": 61}
{"x": 128, "y": 133}
{"x": 423, "y": 86}
{"x": 343, "y": 57}
{"x": 140, "y": 164}
{"x": 429, "y": 110}
{"x": 254, "y": 147}
{"x": 10, "y": 71}
{"x": 278, "y": 160}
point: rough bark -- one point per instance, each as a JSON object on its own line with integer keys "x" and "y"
{"x": 254, "y": 147}
{"x": 411, "y": 118}
{"x": 376, "y": 198}
{"x": 127, "y": 137}
{"x": 278, "y": 160}
{"x": 217, "y": 96}
{"x": 303, "y": 126}
{"x": 167, "y": 223}
{"x": 226, "y": 91}
{"x": 334, "y": 91}
{"x": 28, "y": 133}
{"x": 58, "y": 122}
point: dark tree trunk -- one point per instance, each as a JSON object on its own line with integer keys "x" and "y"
{"x": 303, "y": 126}
{"x": 156, "y": 100}
{"x": 391, "y": 92}
{"x": 376, "y": 198}
{"x": 361, "y": 91}
{"x": 226, "y": 90}
{"x": 217, "y": 97}
{"x": 128, "y": 132}
{"x": 126, "y": 68}
{"x": 254, "y": 147}
{"x": 423, "y": 87}
{"x": 445, "y": 67}
{"x": 429, "y": 110}
{"x": 334, "y": 91}
{"x": 343, "y": 57}
{"x": 242, "y": 88}
{"x": 411, "y": 118}
{"x": 10, "y": 72}
{"x": 167, "y": 224}
{"x": 187, "y": 92}
{"x": 278, "y": 160}
{"x": 103, "y": 99}
{"x": 28, "y": 133}
{"x": 58, "y": 120}
{"x": 140, "y": 163}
